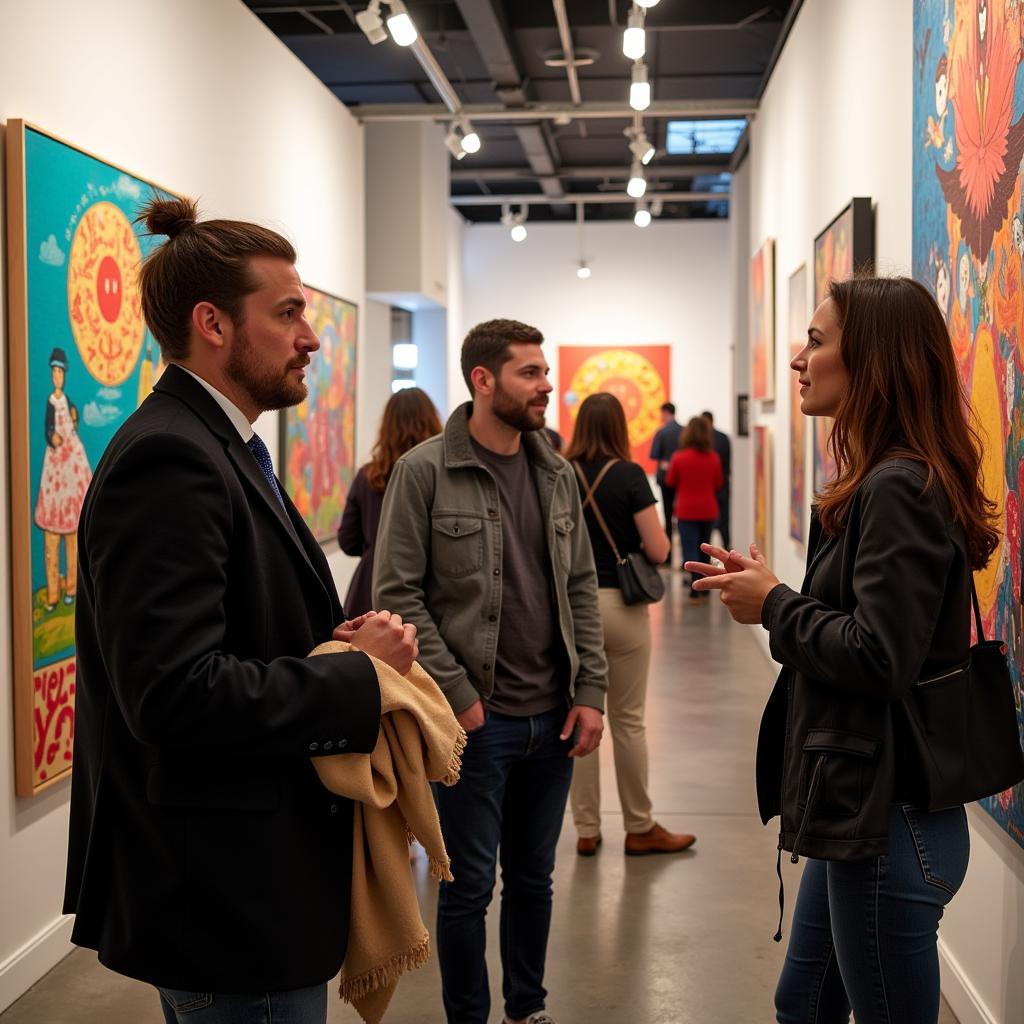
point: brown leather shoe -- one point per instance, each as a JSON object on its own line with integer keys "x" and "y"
{"x": 657, "y": 840}
{"x": 586, "y": 846}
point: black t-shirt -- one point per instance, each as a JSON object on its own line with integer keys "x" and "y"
{"x": 623, "y": 492}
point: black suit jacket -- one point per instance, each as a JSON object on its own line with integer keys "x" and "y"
{"x": 204, "y": 854}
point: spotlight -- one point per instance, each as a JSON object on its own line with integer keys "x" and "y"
{"x": 454, "y": 144}
{"x": 637, "y": 182}
{"x": 470, "y": 139}
{"x": 640, "y": 88}
{"x": 400, "y": 25}
{"x": 640, "y": 146}
{"x": 646, "y": 4}
{"x": 583, "y": 271}
{"x": 514, "y": 222}
{"x": 634, "y": 39}
{"x": 642, "y": 217}
{"x": 518, "y": 232}
{"x": 371, "y": 23}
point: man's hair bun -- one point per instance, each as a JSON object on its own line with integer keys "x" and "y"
{"x": 169, "y": 216}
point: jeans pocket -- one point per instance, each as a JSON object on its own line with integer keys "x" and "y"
{"x": 184, "y": 1001}
{"x": 942, "y": 843}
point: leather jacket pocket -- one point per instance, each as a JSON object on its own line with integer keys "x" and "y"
{"x": 833, "y": 765}
{"x": 457, "y": 545}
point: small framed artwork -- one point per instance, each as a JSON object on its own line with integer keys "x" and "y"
{"x": 318, "y": 437}
{"x": 743, "y": 415}
{"x": 763, "y": 490}
{"x": 762, "y": 322}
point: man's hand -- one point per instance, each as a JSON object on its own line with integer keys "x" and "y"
{"x": 349, "y": 626}
{"x": 473, "y": 717}
{"x": 744, "y": 582}
{"x": 384, "y": 636}
{"x": 590, "y": 723}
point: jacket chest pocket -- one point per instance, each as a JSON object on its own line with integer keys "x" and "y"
{"x": 564, "y": 526}
{"x": 457, "y": 545}
{"x": 832, "y": 772}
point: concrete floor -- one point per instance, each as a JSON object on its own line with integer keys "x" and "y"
{"x": 665, "y": 940}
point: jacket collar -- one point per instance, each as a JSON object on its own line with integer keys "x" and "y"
{"x": 458, "y": 448}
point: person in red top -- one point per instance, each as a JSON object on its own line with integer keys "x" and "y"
{"x": 695, "y": 473}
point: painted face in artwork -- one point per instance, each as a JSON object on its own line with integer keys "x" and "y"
{"x": 963, "y": 281}
{"x": 942, "y": 287}
{"x": 982, "y": 19}
{"x": 1018, "y": 235}
{"x": 941, "y": 88}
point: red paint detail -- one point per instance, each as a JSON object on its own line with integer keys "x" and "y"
{"x": 109, "y": 288}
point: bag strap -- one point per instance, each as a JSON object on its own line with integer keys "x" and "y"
{"x": 977, "y": 611}
{"x": 589, "y": 499}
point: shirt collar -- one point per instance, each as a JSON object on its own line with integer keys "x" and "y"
{"x": 238, "y": 418}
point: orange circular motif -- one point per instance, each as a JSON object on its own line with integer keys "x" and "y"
{"x": 103, "y": 294}
{"x": 633, "y": 380}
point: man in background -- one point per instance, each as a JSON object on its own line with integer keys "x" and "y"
{"x": 720, "y": 442}
{"x": 663, "y": 446}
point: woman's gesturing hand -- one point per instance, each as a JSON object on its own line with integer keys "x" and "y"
{"x": 744, "y": 582}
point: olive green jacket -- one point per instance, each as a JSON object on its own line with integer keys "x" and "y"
{"x": 438, "y": 563}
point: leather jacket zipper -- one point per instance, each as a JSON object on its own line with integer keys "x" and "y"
{"x": 812, "y": 792}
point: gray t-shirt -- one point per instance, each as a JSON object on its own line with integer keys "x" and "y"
{"x": 529, "y": 667}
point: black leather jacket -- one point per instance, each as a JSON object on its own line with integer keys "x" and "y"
{"x": 885, "y": 603}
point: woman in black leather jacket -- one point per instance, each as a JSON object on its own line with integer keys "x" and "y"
{"x": 885, "y": 603}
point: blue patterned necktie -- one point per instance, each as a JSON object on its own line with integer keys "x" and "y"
{"x": 262, "y": 456}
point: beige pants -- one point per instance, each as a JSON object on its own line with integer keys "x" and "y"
{"x": 627, "y": 645}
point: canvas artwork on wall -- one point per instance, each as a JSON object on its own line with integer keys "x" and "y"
{"x": 968, "y": 248}
{"x": 80, "y": 361}
{"x": 638, "y": 376}
{"x": 763, "y": 490}
{"x": 318, "y": 445}
{"x": 797, "y": 320}
{"x": 762, "y": 322}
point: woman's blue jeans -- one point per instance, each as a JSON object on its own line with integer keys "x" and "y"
{"x": 693, "y": 533}
{"x": 297, "y": 1006}
{"x": 864, "y": 931}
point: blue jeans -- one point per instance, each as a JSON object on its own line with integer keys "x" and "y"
{"x": 298, "y": 1006}
{"x": 693, "y": 533}
{"x": 864, "y": 931}
{"x": 511, "y": 795}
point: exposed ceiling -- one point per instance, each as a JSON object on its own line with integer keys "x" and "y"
{"x": 543, "y": 136}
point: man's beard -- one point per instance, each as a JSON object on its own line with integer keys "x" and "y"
{"x": 518, "y": 415}
{"x": 267, "y": 387}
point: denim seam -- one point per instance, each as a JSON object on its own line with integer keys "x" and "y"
{"x": 922, "y": 855}
{"x": 878, "y": 947}
{"x": 821, "y": 981}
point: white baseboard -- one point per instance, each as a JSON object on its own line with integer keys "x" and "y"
{"x": 961, "y": 995}
{"x": 23, "y": 968}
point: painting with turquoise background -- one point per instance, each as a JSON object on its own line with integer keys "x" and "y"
{"x": 81, "y": 360}
{"x": 968, "y": 248}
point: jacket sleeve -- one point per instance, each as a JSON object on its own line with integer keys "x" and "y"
{"x": 672, "y": 476}
{"x": 592, "y": 677}
{"x": 656, "y": 446}
{"x": 158, "y": 538}
{"x": 901, "y": 565}
{"x": 350, "y": 532}
{"x": 401, "y": 564}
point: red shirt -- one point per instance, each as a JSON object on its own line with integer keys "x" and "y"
{"x": 695, "y": 476}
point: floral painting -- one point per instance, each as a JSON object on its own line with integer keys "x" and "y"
{"x": 762, "y": 321}
{"x": 797, "y": 320}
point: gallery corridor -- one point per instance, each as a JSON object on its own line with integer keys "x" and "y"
{"x": 656, "y": 940}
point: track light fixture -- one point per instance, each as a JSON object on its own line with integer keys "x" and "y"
{"x": 400, "y": 25}
{"x": 639, "y": 145}
{"x": 640, "y": 87}
{"x": 642, "y": 216}
{"x": 646, "y": 4}
{"x": 461, "y": 139}
{"x": 637, "y": 182}
{"x": 371, "y": 23}
{"x": 515, "y": 222}
{"x": 634, "y": 39}
{"x": 582, "y": 267}
{"x": 583, "y": 271}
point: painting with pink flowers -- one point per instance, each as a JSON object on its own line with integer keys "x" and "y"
{"x": 318, "y": 450}
{"x": 968, "y": 248}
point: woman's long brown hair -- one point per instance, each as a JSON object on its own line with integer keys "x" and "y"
{"x": 600, "y": 431}
{"x": 696, "y": 434}
{"x": 905, "y": 399}
{"x": 409, "y": 418}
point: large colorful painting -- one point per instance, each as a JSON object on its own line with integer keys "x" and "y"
{"x": 797, "y": 337}
{"x": 968, "y": 247}
{"x": 80, "y": 361}
{"x": 763, "y": 490}
{"x": 638, "y": 376}
{"x": 762, "y": 321}
{"x": 318, "y": 443}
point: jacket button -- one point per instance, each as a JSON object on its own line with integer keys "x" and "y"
{"x": 492, "y": 618}
{"x": 314, "y": 746}
{"x": 487, "y": 667}
{"x": 342, "y": 744}
{"x": 334, "y": 809}
{"x": 455, "y": 529}
{"x": 328, "y": 745}
{"x": 492, "y": 512}
{"x": 497, "y": 572}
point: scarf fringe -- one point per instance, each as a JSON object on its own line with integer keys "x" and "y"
{"x": 455, "y": 764}
{"x": 440, "y": 870}
{"x": 352, "y": 990}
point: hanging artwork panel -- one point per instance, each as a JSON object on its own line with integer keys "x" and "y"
{"x": 318, "y": 449}
{"x": 762, "y": 321}
{"x": 639, "y": 376}
{"x": 797, "y": 321}
{"x": 763, "y": 490}
{"x": 81, "y": 360}
{"x": 968, "y": 249}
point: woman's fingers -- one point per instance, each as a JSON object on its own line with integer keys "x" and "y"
{"x": 704, "y": 568}
{"x": 715, "y": 552}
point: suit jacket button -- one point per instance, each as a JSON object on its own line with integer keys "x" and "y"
{"x": 334, "y": 809}
{"x": 342, "y": 744}
{"x": 328, "y": 745}
{"x": 487, "y": 666}
{"x": 314, "y": 746}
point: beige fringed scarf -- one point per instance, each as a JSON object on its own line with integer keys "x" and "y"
{"x": 420, "y": 741}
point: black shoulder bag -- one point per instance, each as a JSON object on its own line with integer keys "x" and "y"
{"x": 963, "y": 726}
{"x": 639, "y": 581}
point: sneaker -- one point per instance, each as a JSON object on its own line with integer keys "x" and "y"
{"x": 657, "y": 840}
{"x": 540, "y": 1017}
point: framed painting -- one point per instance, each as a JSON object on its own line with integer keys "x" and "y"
{"x": 797, "y": 320}
{"x": 743, "y": 415}
{"x": 318, "y": 444}
{"x": 968, "y": 250}
{"x": 762, "y": 322}
{"x": 81, "y": 359}
{"x": 638, "y": 376}
{"x": 763, "y": 490}
{"x": 845, "y": 247}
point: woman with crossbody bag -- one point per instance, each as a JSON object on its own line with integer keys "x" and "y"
{"x": 621, "y": 515}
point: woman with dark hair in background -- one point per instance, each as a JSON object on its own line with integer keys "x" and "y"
{"x": 409, "y": 418}
{"x": 695, "y": 474}
{"x": 885, "y": 605}
{"x": 600, "y": 453}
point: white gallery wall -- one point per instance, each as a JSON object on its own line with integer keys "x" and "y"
{"x": 668, "y": 284}
{"x": 834, "y": 123}
{"x": 198, "y": 96}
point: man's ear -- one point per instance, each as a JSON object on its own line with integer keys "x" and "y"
{"x": 483, "y": 380}
{"x": 210, "y": 324}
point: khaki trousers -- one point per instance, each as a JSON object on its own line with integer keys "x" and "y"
{"x": 627, "y": 645}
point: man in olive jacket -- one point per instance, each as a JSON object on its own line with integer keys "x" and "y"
{"x": 482, "y": 547}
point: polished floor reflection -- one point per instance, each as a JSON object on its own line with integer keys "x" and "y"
{"x": 684, "y": 939}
